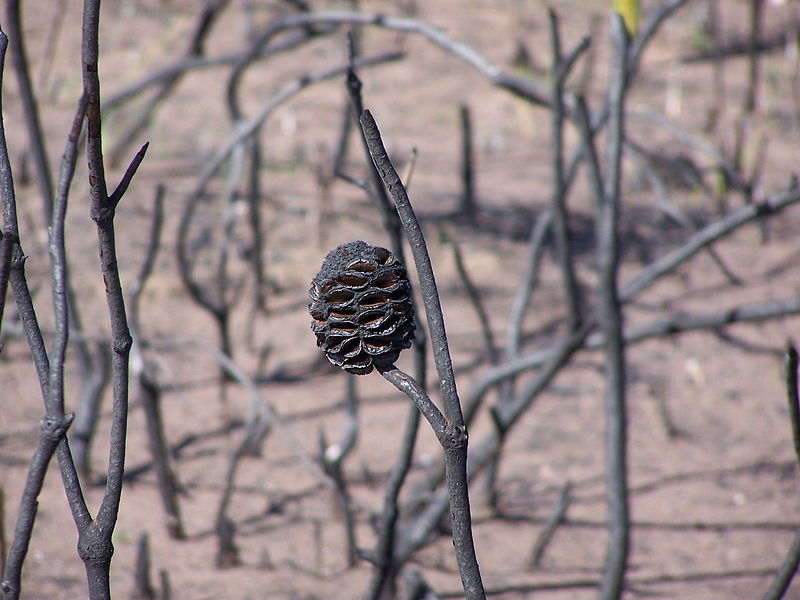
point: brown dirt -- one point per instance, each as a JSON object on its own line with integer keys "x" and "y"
{"x": 714, "y": 507}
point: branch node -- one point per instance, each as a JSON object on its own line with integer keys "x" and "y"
{"x": 54, "y": 427}
{"x": 122, "y": 345}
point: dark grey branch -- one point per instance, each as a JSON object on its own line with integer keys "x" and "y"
{"x": 788, "y": 568}
{"x": 610, "y": 322}
{"x": 30, "y": 107}
{"x": 452, "y": 433}
{"x": 559, "y": 71}
{"x": 55, "y": 423}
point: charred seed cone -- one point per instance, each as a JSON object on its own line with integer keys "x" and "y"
{"x": 361, "y": 306}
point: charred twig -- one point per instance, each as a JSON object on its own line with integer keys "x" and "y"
{"x": 30, "y": 106}
{"x": 788, "y": 568}
{"x": 51, "y": 372}
{"x": 416, "y": 588}
{"x": 527, "y": 283}
{"x": 528, "y": 89}
{"x": 256, "y": 403}
{"x": 607, "y": 194}
{"x": 682, "y": 322}
{"x": 386, "y": 566}
{"x": 389, "y": 217}
{"x": 56, "y": 25}
{"x": 786, "y": 572}
{"x": 6, "y": 247}
{"x": 560, "y": 69}
{"x": 384, "y": 555}
{"x": 707, "y": 235}
{"x": 3, "y": 545}
{"x": 449, "y": 428}
{"x": 94, "y": 535}
{"x": 673, "y": 211}
{"x": 474, "y": 297}
{"x": 753, "y": 55}
{"x": 793, "y": 396}
{"x": 207, "y": 15}
{"x": 468, "y": 207}
{"x": 182, "y": 65}
{"x": 332, "y": 457}
{"x": 549, "y": 529}
{"x": 94, "y": 381}
{"x": 148, "y": 390}
{"x": 254, "y": 218}
{"x": 142, "y": 586}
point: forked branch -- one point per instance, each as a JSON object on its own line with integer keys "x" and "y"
{"x": 449, "y": 428}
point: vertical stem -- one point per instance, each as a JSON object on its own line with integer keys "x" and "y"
{"x": 454, "y": 440}
{"x": 37, "y": 145}
{"x": 613, "y": 581}
{"x": 468, "y": 207}
{"x": 788, "y": 569}
{"x": 754, "y": 63}
{"x": 384, "y": 549}
{"x": 94, "y": 543}
{"x": 558, "y": 202}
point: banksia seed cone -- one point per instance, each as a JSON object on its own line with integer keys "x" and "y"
{"x": 361, "y": 306}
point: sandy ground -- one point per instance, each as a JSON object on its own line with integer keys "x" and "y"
{"x": 714, "y": 482}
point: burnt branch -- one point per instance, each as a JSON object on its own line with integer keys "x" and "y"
{"x": 44, "y": 179}
{"x": 146, "y": 384}
{"x": 386, "y": 565}
{"x": 142, "y": 584}
{"x": 450, "y": 431}
{"x": 611, "y": 324}
{"x": 94, "y": 538}
{"x": 793, "y": 395}
{"x": 559, "y": 71}
{"x": 51, "y": 373}
{"x": 788, "y": 569}
{"x": 217, "y": 306}
{"x": 474, "y": 297}
{"x": 6, "y": 246}
{"x": 549, "y": 529}
{"x": 195, "y": 49}
{"x": 527, "y": 283}
{"x": 332, "y": 457}
{"x": 30, "y": 106}
{"x": 192, "y": 63}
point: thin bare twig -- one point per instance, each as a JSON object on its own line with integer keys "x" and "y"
{"x": 93, "y": 382}
{"x": 30, "y": 106}
{"x": 142, "y": 585}
{"x": 386, "y": 567}
{"x": 55, "y": 423}
{"x": 559, "y": 71}
{"x": 450, "y": 431}
{"x": 256, "y": 402}
{"x": 384, "y": 555}
{"x": 6, "y": 247}
{"x": 332, "y": 457}
{"x": 94, "y": 538}
{"x": 474, "y": 297}
{"x": 147, "y": 387}
{"x": 206, "y": 17}
{"x": 788, "y": 569}
{"x": 793, "y": 396}
{"x": 610, "y": 321}
{"x": 549, "y": 529}
{"x": 468, "y": 206}
{"x": 707, "y": 235}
